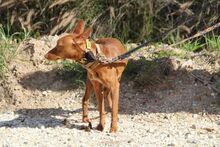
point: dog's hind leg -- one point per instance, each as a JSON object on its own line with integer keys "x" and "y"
{"x": 108, "y": 98}
{"x": 114, "y": 112}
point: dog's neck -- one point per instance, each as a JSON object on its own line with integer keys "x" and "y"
{"x": 89, "y": 59}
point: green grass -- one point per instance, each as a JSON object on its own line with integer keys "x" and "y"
{"x": 8, "y": 45}
{"x": 6, "y": 49}
{"x": 74, "y": 72}
{"x": 6, "y": 53}
{"x": 164, "y": 54}
{"x": 191, "y": 46}
{"x": 213, "y": 43}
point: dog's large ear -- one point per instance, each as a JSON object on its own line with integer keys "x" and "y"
{"x": 79, "y": 29}
{"x": 87, "y": 33}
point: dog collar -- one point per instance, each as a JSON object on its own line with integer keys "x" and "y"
{"x": 88, "y": 45}
{"x": 89, "y": 56}
{"x": 91, "y": 60}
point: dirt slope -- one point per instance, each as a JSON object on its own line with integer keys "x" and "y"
{"x": 174, "y": 106}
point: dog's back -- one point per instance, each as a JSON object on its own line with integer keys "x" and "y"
{"x": 111, "y": 47}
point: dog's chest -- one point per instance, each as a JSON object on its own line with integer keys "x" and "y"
{"x": 94, "y": 76}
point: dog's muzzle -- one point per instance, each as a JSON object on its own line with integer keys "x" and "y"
{"x": 90, "y": 57}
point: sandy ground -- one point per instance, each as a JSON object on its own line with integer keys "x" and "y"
{"x": 179, "y": 109}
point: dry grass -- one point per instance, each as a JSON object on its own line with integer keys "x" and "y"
{"x": 129, "y": 20}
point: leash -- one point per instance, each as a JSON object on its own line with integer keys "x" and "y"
{"x": 91, "y": 60}
{"x": 128, "y": 54}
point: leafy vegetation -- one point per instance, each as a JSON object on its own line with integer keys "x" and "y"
{"x": 75, "y": 71}
{"x": 128, "y": 20}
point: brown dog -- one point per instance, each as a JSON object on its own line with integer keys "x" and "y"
{"x": 103, "y": 78}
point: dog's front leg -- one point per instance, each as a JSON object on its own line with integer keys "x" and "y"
{"x": 99, "y": 93}
{"x": 85, "y": 101}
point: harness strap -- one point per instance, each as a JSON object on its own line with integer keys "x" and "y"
{"x": 98, "y": 48}
{"x": 88, "y": 63}
{"x": 92, "y": 60}
{"x": 100, "y": 56}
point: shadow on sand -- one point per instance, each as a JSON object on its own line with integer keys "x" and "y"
{"x": 48, "y": 118}
{"x": 147, "y": 86}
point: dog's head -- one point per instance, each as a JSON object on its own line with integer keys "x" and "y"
{"x": 71, "y": 46}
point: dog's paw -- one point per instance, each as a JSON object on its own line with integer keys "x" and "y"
{"x": 100, "y": 127}
{"x": 86, "y": 120}
{"x": 113, "y": 130}
{"x": 66, "y": 122}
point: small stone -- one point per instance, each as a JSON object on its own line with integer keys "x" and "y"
{"x": 42, "y": 127}
{"x": 195, "y": 115}
{"x": 187, "y": 135}
{"x": 165, "y": 117}
{"x": 129, "y": 141}
{"x": 44, "y": 93}
{"x": 209, "y": 129}
{"x": 191, "y": 141}
{"x": 171, "y": 144}
{"x": 66, "y": 122}
{"x": 25, "y": 142}
{"x": 187, "y": 64}
{"x": 193, "y": 126}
